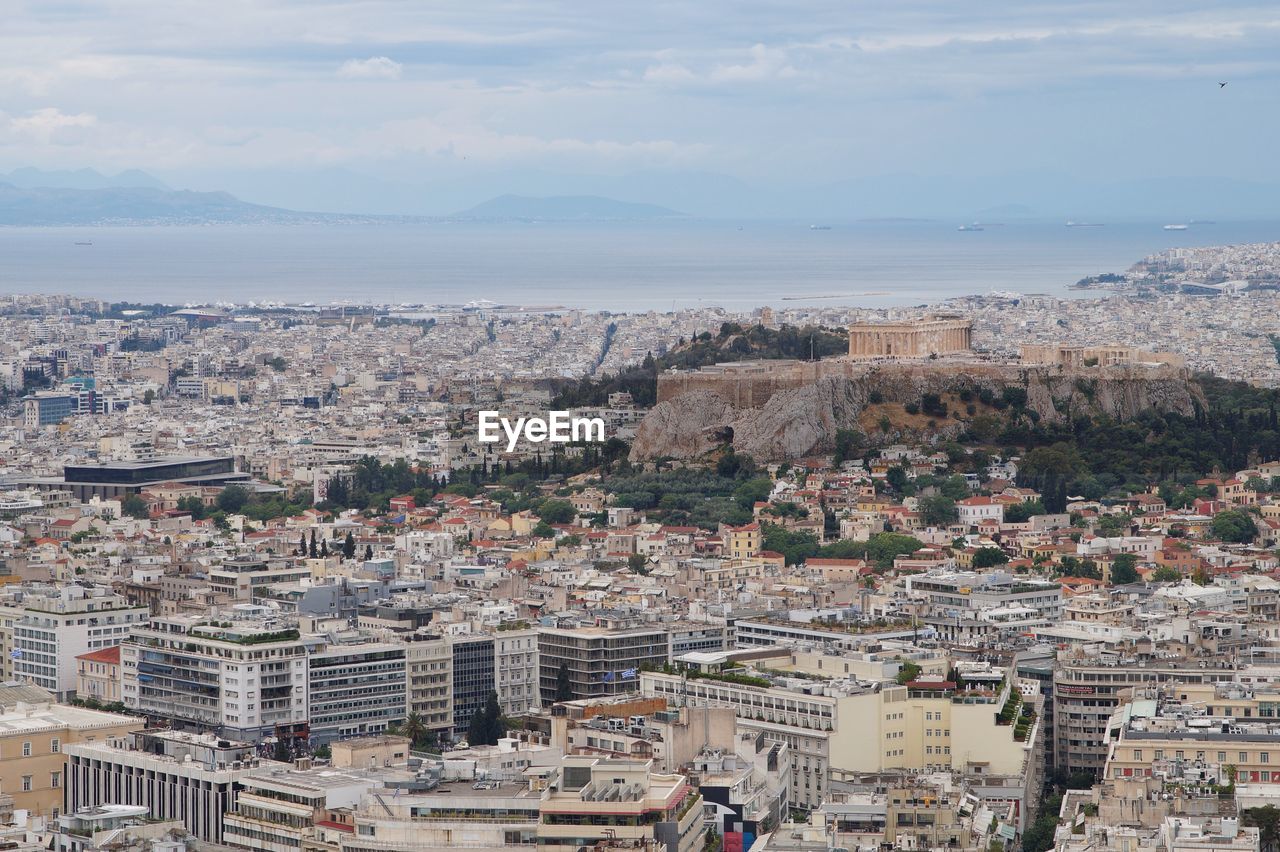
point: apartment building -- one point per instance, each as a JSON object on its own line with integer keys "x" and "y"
{"x": 515, "y": 670}
{"x": 591, "y": 800}
{"x": 245, "y": 678}
{"x": 354, "y": 689}
{"x": 285, "y": 809}
{"x": 1088, "y": 688}
{"x": 52, "y": 626}
{"x": 842, "y": 725}
{"x": 429, "y": 676}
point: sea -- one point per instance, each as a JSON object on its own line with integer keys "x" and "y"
{"x": 623, "y": 267}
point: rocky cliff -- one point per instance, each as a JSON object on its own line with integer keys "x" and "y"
{"x": 802, "y": 420}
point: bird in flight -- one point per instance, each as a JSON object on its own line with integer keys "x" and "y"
{"x": 1222, "y": 85}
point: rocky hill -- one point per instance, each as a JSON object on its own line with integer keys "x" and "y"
{"x": 895, "y": 402}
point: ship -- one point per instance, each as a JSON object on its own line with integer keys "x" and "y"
{"x": 1071, "y": 224}
{"x": 974, "y": 227}
{"x": 819, "y": 227}
{"x": 1175, "y": 227}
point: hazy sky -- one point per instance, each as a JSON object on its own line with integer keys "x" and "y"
{"x": 761, "y": 91}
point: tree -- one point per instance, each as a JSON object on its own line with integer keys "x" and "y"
{"x": 1267, "y": 820}
{"x": 987, "y": 557}
{"x": 907, "y": 672}
{"x": 414, "y": 728}
{"x": 1124, "y": 569}
{"x": 1167, "y": 574}
{"x": 543, "y": 530}
{"x": 148, "y": 396}
{"x": 232, "y": 498}
{"x": 368, "y": 552}
{"x": 937, "y": 510}
{"x": 1234, "y": 525}
{"x": 557, "y": 512}
{"x": 324, "y": 549}
{"x": 1021, "y": 512}
{"x": 564, "y": 688}
{"x": 302, "y": 544}
{"x": 349, "y": 546}
{"x": 847, "y": 444}
{"x": 637, "y": 563}
{"x": 135, "y": 507}
{"x": 313, "y": 551}
{"x": 487, "y": 726}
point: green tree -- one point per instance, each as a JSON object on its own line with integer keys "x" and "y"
{"x": 986, "y": 557}
{"x": 414, "y": 728}
{"x": 907, "y": 672}
{"x": 795, "y": 546}
{"x": 487, "y": 725}
{"x": 148, "y": 396}
{"x": 1124, "y": 569}
{"x": 1267, "y": 820}
{"x": 564, "y": 688}
{"x": 556, "y": 512}
{"x": 135, "y": 507}
{"x": 637, "y": 563}
{"x": 937, "y": 510}
{"x": 232, "y": 499}
{"x": 1167, "y": 574}
{"x": 1234, "y": 525}
{"x": 349, "y": 546}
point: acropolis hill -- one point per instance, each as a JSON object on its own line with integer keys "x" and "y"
{"x": 786, "y": 409}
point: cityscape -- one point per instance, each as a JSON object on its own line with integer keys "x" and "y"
{"x": 707, "y": 427}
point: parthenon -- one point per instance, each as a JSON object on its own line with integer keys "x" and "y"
{"x": 938, "y": 335}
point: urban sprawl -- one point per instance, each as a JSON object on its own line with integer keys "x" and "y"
{"x": 262, "y": 588}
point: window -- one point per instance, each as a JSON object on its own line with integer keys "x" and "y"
{"x": 26, "y": 783}
{"x": 26, "y": 749}
{"x": 55, "y": 745}
{"x": 55, "y": 780}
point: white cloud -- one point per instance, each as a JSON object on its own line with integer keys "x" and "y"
{"x": 48, "y": 125}
{"x": 373, "y": 68}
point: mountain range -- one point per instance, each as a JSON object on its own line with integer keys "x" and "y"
{"x": 31, "y": 196}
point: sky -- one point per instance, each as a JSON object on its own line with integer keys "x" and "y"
{"x": 382, "y": 101}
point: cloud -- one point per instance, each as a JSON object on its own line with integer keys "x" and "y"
{"x": 48, "y": 125}
{"x": 373, "y": 68}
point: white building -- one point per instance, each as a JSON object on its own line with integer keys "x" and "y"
{"x": 53, "y": 626}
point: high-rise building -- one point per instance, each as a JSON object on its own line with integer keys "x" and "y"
{"x": 354, "y": 690}
{"x": 473, "y": 676}
{"x": 245, "y": 678}
{"x": 598, "y": 661}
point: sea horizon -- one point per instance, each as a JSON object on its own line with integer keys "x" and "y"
{"x": 615, "y": 266}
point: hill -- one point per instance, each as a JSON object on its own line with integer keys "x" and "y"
{"x": 138, "y": 205}
{"x": 30, "y": 178}
{"x": 731, "y": 343}
{"x": 564, "y": 207}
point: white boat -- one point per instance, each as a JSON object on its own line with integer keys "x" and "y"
{"x": 974, "y": 227}
{"x": 1175, "y": 227}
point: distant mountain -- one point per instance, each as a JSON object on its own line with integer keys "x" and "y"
{"x": 564, "y": 207}
{"x": 30, "y": 178}
{"x": 132, "y": 205}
